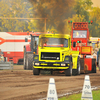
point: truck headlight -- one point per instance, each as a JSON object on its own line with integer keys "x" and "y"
{"x": 63, "y": 64}
{"x": 37, "y": 64}
{"x": 57, "y": 58}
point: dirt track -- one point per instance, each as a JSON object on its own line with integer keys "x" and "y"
{"x": 23, "y": 85}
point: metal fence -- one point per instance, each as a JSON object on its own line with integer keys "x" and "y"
{"x": 6, "y": 65}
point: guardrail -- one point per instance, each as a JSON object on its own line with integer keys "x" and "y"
{"x": 6, "y": 65}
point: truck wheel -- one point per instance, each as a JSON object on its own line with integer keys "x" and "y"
{"x": 79, "y": 68}
{"x": 36, "y": 71}
{"x": 24, "y": 63}
{"x": 94, "y": 68}
{"x": 29, "y": 61}
{"x": 76, "y": 71}
{"x": 68, "y": 72}
{"x": 99, "y": 62}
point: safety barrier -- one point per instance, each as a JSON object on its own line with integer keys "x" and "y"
{"x": 6, "y": 65}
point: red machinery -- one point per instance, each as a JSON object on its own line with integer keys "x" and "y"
{"x": 31, "y": 49}
{"x": 80, "y": 42}
{"x": 11, "y": 43}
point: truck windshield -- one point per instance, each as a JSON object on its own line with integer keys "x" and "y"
{"x": 35, "y": 42}
{"x": 53, "y": 42}
{"x": 37, "y": 39}
{"x": 79, "y": 33}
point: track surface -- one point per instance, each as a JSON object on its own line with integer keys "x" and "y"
{"x": 23, "y": 85}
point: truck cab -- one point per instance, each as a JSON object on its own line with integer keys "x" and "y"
{"x": 79, "y": 35}
{"x": 54, "y": 54}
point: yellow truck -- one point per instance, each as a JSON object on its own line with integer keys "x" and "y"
{"x": 54, "y": 54}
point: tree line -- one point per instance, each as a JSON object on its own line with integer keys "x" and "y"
{"x": 57, "y": 12}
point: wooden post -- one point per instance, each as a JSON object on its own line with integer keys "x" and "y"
{"x": 45, "y": 24}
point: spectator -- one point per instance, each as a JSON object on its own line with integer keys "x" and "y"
{"x": 1, "y": 56}
{"x": 1, "y": 53}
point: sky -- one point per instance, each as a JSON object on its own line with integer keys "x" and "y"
{"x": 96, "y": 3}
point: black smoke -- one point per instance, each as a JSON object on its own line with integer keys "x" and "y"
{"x": 56, "y": 11}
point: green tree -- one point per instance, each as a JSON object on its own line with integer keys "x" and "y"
{"x": 82, "y": 7}
{"x": 95, "y": 17}
{"x": 11, "y": 9}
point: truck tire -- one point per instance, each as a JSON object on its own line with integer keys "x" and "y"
{"x": 76, "y": 71}
{"x": 24, "y": 62}
{"x": 36, "y": 71}
{"x": 99, "y": 62}
{"x": 79, "y": 68}
{"x": 68, "y": 72}
{"x": 94, "y": 67}
{"x": 29, "y": 61}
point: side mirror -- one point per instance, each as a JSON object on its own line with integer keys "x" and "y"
{"x": 26, "y": 39}
{"x": 74, "y": 44}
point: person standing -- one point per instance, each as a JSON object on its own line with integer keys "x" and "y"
{"x": 1, "y": 53}
{"x": 1, "y": 56}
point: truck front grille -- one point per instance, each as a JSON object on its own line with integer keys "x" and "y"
{"x": 50, "y": 56}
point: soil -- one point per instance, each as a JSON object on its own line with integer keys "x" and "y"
{"x": 21, "y": 84}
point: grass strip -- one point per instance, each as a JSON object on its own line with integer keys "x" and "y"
{"x": 95, "y": 94}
